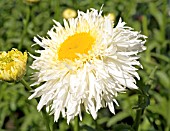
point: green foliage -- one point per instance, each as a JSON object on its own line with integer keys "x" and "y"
{"x": 21, "y": 21}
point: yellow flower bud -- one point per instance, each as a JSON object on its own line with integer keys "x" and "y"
{"x": 69, "y": 13}
{"x": 111, "y": 16}
{"x": 12, "y": 65}
{"x": 32, "y": 1}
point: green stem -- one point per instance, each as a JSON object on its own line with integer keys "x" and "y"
{"x": 137, "y": 119}
{"x": 55, "y": 6}
{"x": 75, "y": 4}
{"x": 164, "y": 19}
{"x": 96, "y": 125}
{"x": 76, "y": 124}
{"x": 25, "y": 84}
{"x": 25, "y": 25}
{"x": 46, "y": 119}
{"x": 138, "y": 116}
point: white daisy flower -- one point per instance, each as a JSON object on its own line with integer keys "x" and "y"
{"x": 85, "y": 64}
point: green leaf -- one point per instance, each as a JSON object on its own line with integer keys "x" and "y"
{"x": 122, "y": 127}
{"x": 87, "y": 128}
{"x": 164, "y": 79}
{"x": 102, "y": 120}
{"x": 156, "y": 13}
{"x": 118, "y": 117}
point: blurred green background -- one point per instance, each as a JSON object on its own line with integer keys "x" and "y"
{"x": 21, "y": 20}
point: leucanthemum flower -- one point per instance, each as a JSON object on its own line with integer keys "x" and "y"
{"x": 12, "y": 65}
{"x": 85, "y": 64}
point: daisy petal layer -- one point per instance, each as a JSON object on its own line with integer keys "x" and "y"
{"x": 90, "y": 81}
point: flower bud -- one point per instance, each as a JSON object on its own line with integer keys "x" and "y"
{"x": 31, "y": 1}
{"x": 69, "y": 13}
{"x": 12, "y": 65}
{"x": 111, "y": 16}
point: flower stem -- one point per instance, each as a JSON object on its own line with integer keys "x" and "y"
{"x": 137, "y": 119}
{"x": 76, "y": 124}
{"x": 138, "y": 116}
{"x": 25, "y": 25}
{"x": 55, "y": 5}
{"x": 45, "y": 117}
{"x": 25, "y": 84}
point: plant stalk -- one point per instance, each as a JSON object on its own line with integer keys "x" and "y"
{"x": 45, "y": 117}
{"x": 138, "y": 116}
{"x": 76, "y": 124}
{"x": 25, "y": 25}
{"x": 25, "y": 84}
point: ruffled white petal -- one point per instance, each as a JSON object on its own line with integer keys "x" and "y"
{"x": 94, "y": 80}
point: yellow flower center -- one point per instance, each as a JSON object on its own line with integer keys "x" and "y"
{"x": 79, "y": 43}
